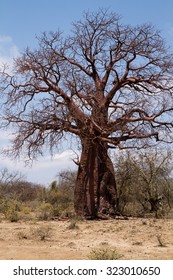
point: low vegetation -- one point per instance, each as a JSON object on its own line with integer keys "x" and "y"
{"x": 73, "y": 225}
{"x": 144, "y": 189}
{"x": 104, "y": 253}
{"x": 42, "y": 232}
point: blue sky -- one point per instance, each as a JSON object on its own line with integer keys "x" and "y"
{"x": 22, "y": 20}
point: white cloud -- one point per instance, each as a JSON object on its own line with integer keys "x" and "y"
{"x": 5, "y": 136}
{"x": 45, "y": 170}
{"x": 5, "y": 39}
{"x": 8, "y": 51}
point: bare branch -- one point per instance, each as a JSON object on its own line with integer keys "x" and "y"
{"x": 106, "y": 82}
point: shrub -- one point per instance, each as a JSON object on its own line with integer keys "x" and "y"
{"x": 104, "y": 254}
{"x": 12, "y": 215}
{"x": 26, "y": 210}
{"x": 22, "y": 235}
{"x": 45, "y": 211}
{"x": 73, "y": 225}
{"x": 42, "y": 232}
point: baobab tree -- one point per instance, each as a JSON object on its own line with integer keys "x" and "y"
{"x": 106, "y": 83}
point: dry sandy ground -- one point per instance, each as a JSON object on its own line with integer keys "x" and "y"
{"x": 133, "y": 239}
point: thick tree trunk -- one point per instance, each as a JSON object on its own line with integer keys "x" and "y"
{"x": 95, "y": 190}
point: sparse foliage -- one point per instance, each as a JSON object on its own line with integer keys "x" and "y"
{"x": 145, "y": 178}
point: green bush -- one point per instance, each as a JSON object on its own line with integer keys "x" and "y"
{"x": 45, "y": 211}
{"x": 12, "y": 215}
{"x": 10, "y": 208}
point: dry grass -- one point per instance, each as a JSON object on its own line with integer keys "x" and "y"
{"x": 42, "y": 232}
{"x": 105, "y": 253}
{"x": 111, "y": 239}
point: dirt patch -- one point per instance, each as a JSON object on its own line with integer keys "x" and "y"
{"x": 133, "y": 239}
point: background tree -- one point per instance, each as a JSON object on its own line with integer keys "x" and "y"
{"x": 144, "y": 179}
{"x": 107, "y": 83}
{"x": 9, "y": 178}
{"x": 126, "y": 180}
{"x": 13, "y": 185}
{"x": 154, "y": 176}
{"x": 61, "y": 194}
